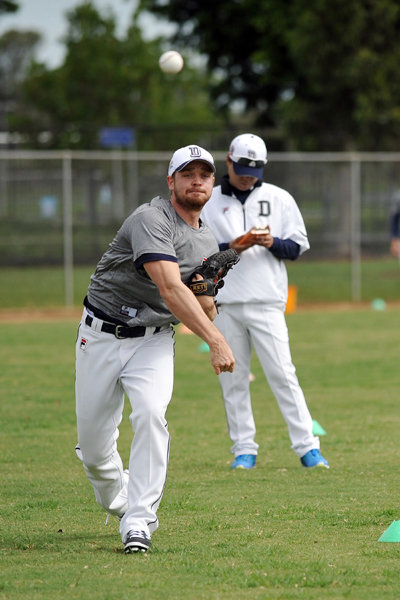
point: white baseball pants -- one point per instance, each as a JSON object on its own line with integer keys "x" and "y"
{"x": 263, "y": 327}
{"x": 106, "y": 369}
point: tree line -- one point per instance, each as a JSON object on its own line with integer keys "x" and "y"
{"x": 309, "y": 74}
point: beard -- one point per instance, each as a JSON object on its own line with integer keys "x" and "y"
{"x": 189, "y": 201}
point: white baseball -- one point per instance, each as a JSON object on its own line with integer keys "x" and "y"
{"x": 171, "y": 62}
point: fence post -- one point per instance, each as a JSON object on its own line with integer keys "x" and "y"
{"x": 67, "y": 228}
{"x": 117, "y": 185}
{"x": 4, "y": 188}
{"x": 355, "y": 228}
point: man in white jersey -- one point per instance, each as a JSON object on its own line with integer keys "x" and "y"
{"x": 252, "y": 303}
{"x": 125, "y": 343}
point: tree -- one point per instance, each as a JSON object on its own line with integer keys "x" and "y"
{"x": 16, "y": 53}
{"x": 323, "y": 72}
{"x": 8, "y": 6}
{"x": 107, "y": 81}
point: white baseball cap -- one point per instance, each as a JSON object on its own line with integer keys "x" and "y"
{"x": 248, "y": 154}
{"x": 187, "y": 154}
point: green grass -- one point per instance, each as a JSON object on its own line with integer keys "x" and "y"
{"x": 317, "y": 281}
{"x": 38, "y": 243}
{"x": 331, "y": 281}
{"x": 276, "y": 532}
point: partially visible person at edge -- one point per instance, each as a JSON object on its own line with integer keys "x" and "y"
{"x": 252, "y": 303}
{"x": 394, "y": 231}
{"x": 125, "y": 343}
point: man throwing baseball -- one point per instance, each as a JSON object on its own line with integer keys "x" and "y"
{"x": 263, "y": 223}
{"x": 125, "y": 341}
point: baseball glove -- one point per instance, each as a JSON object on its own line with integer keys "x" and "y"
{"x": 212, "y": 270}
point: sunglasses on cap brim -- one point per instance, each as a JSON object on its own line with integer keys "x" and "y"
{"x": 249, "y": 162}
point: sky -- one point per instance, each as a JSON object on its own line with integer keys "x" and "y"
{"x": 48, "y": 18}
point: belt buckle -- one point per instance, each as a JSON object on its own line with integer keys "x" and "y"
{"x": 117, "y": 332}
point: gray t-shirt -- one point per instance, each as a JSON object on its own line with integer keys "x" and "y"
{"x": 120, "y": 286}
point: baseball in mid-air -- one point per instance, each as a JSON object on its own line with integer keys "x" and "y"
{"x": 171, "y": 62}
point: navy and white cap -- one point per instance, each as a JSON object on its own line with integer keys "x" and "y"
{"x": 187, "y": 154}
{"x": 248, "y": 154}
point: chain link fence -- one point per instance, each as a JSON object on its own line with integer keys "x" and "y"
{"x": 63, "y": 208}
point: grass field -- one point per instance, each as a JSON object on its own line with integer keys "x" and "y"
{"x": 276, "y": 532}
{"x": 317, "y": 282}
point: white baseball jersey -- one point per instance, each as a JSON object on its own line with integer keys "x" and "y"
{"x": 263, "y": 280}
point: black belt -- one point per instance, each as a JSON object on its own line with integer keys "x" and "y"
{"x": 121, "y": 331}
